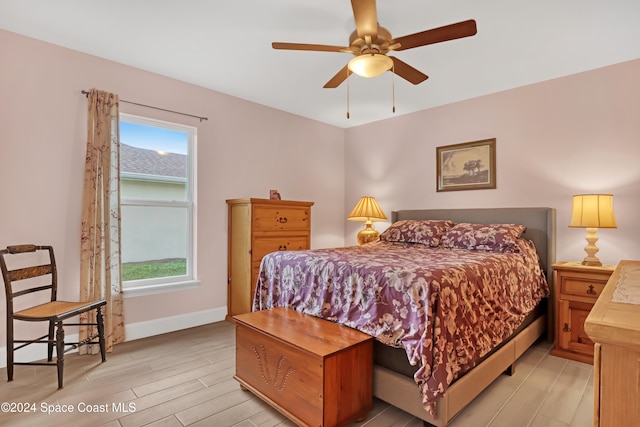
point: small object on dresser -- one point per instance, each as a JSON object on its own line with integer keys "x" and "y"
{"x": 274, "y": 195}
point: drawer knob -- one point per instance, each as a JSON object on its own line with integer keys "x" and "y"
{"x": 566, "y": 327}
{"x": 591, "y": 290}
{"x": 282, "y": 220}
{"x": 282, "y": 247}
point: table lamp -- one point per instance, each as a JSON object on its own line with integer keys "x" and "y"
{"x": 592, "y": 211}
{"x": 367, "y": 210}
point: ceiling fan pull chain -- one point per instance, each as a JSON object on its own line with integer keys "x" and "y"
{"x": 348, "y": 93}
{"x": 393, "y": 88}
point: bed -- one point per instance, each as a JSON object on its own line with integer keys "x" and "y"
{"x": 447, "y": 330}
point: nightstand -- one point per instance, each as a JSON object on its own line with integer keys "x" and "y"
{"x": 576, "y": 289}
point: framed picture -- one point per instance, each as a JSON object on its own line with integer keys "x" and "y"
{"x": 274, "y": 195}
{"x": 467, "y": 166}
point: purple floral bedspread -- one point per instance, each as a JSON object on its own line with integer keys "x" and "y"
{"x": 446, "y": 307}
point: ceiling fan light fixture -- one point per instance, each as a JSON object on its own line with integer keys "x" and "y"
{"x": 370, "y": 65}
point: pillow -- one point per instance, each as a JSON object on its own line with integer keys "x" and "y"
{"x": 483, "y": 237}
{"x": 425, "y": 232}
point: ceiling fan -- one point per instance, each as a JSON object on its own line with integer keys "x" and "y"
{"x": 370, "y": 44}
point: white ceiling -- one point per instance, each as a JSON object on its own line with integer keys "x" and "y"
{"x": 226, "y": 46}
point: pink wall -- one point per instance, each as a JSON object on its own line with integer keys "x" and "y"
{"x": 557, "y": 138}
{"x": 576, "y": 134}
{"x": 244, "y": 149}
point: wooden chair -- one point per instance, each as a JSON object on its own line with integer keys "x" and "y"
{"x": 54, "y": 312}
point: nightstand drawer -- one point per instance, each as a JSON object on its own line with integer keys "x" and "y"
{"x": 582, "y": 287}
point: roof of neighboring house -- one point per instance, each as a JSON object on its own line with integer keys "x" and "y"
{"x": 150, "y": 162}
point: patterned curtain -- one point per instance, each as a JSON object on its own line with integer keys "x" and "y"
{"x": 100, "y": 275}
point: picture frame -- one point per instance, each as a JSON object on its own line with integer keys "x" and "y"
{"x": 466, "y": 166}
{"x": 274, "y": 195}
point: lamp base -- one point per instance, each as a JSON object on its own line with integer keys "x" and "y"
{"x": 591, "y": 249}
{"x": 368, "y": 234}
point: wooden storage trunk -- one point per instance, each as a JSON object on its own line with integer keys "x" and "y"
{"x": 315, "y": 372}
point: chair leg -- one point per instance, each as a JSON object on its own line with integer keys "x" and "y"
{"x": 60, "y": 353}
{"x": 103, "y": 346}
{"x": 51, "y": 341}
{"x": 9, "y": 348}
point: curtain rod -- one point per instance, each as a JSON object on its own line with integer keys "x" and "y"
{"x": 86, "y": 94}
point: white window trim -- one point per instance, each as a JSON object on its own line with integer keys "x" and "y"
{"x": 160, "y": 288}
{"x": 151, "y": 178}
{"x": 178, "y": 283}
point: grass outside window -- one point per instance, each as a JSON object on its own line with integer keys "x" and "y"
{"x": 154, "y": 269}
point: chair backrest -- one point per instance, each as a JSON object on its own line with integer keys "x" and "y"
{"x": 27, "y": 272}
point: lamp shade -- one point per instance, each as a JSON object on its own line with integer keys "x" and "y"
{"x": 370, "y": 65}
{"x": 367, "y": 209}
{"x": 593, "y": 211}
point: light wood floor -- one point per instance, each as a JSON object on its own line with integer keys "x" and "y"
{"x": 185, "y": 378}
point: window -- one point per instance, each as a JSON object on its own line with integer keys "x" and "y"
{"x": 157, "y": 205}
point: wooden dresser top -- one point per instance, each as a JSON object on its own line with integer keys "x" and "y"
{"x": 612, "y": 322}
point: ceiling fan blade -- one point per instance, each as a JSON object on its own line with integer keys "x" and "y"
{"x": 407, "y": 72}
{"x": 364, "y": 13}
{"x": 338, "y": 78}
{"x": 313, "y": 47}
{"x": 437, "y": 35}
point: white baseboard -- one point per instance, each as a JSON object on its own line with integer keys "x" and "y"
{"x": 132, "y": 332}
{"x": 150, "y": 328}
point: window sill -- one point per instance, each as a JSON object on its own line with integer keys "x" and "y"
{"x": 161, "y": 288}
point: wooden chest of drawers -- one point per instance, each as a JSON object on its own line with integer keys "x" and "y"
{"x": 258, "y": 227}
{"x": 315, "y": 372}
{"x": 577, "y": 288}
{"x": 615, "y": 328}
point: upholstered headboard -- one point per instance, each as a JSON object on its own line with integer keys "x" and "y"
{"x": 540, "y": 223}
